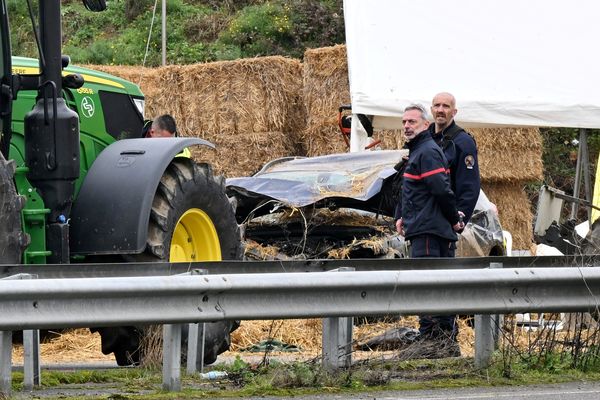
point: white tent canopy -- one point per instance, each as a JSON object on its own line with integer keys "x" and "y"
{"x": 508, "y": 62}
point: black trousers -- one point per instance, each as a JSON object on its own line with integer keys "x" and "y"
{"x": 434, "y": 326}
{"x": 431, "y": 246}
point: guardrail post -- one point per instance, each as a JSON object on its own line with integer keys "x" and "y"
{"x": 486, "y": 334}
{"x": 5, "y": 363}
{"x": 195, "y": 342}
{"x": 195, "y": 349}
{"x": 31, "y": 359}
{"x": 172, "y": 357}
{"x": 337, "y": 339}
{"x": 6, "y": 350}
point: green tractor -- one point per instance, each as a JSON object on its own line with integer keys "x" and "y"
{"x": 79, "y": 183}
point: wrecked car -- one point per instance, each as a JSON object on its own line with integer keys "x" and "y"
{"x": 338, "y": 206}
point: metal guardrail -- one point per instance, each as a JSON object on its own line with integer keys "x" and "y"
{"x": 82, "y": 302}
{"x": 244, "y": 267}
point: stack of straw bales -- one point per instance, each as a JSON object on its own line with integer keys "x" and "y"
{"x": 251, "y": 109}
{"x": 509, "y": 158}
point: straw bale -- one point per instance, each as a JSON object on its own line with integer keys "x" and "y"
{"x": 135, "y": 74}
{"x": 243, "y": 154}
{"x": 159, "y": 86}
{"x": 325, "y": 88}
{"x": 514, "y": 209}
{"x": 248, "y": 95}
{"x": 163, "y": 94}
{"x": 509, "y": 154}
{"x": 216, "y": 101}
{"x": 323, "y": 137}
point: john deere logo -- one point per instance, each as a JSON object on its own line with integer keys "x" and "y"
{"x": 87, "y": 107}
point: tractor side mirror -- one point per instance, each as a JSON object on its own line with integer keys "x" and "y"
{"x": 73, "y": 81}
{"x": 65, "y": 60}
{"x": 95, "y": 5}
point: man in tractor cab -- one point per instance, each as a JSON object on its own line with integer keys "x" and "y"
{"x": 163, "y": 126}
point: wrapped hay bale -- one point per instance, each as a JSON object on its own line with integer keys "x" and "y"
{"x": 514, "y": 209}
{"x": 243, "y": 154}
{"x": 509, "y": 154}
{"x": 242, "y": 96}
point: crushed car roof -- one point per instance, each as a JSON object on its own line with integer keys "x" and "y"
{"x": 352, "y": 180}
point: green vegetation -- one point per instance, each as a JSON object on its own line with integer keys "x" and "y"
{"x": 273, "y": 378}
{"x": 197, "y": 30}
{"x": 524, "y": 357}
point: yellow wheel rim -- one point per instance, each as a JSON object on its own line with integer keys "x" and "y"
{"x": 195, "y": 238}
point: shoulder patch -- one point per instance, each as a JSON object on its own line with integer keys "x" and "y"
{"x": 469, "y": 161}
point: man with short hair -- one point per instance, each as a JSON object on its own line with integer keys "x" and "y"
{"x": 163, "y": 126}
{"x": 427, "y": 214}
{"x": 427, "y": 217}
{"x": 460, "y": 150}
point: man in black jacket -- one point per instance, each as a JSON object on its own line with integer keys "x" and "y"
{"x": 427, "y": 215}
{"x": 461, "y": 153}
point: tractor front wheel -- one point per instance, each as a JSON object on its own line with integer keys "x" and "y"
{"x": 191, "y": 220}
{"x": 12, "y": 239}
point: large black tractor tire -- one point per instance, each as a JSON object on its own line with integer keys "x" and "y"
{"x": 191, "y": 220}
{"x": 12, "y": 239}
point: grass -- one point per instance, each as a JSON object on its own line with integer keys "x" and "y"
{"x": 524, "y": 357}
{"x": 274, "y": 378}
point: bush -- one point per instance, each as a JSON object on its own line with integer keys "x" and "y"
{"x": 316, "y": 25}
{"x": 260, "y": 30}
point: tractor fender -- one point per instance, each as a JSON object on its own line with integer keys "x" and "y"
{"x": 111, "y": 212}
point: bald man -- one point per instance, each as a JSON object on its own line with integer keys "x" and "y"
{"x": 460, "y": 150}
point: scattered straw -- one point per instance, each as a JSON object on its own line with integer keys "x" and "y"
{"x": 70, "y": 345}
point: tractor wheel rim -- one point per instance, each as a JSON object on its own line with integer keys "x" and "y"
{"x": 195, "y": 238}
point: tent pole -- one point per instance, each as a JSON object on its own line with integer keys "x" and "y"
{"x": 577, "y": 185}
{"x": 583, "y": 163}
{"x": 586, "y": 169}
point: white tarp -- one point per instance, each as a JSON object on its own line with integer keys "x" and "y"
{"x": 508, "y": 62}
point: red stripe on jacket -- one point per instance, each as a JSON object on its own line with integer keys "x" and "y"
{"x": 426, "y": 174}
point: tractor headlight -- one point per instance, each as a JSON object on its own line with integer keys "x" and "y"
{"x": 140, "y": 104}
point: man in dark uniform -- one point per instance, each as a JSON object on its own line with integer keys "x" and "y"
{"x": 427, "y": 215}
{"x": 460, "y": 151}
